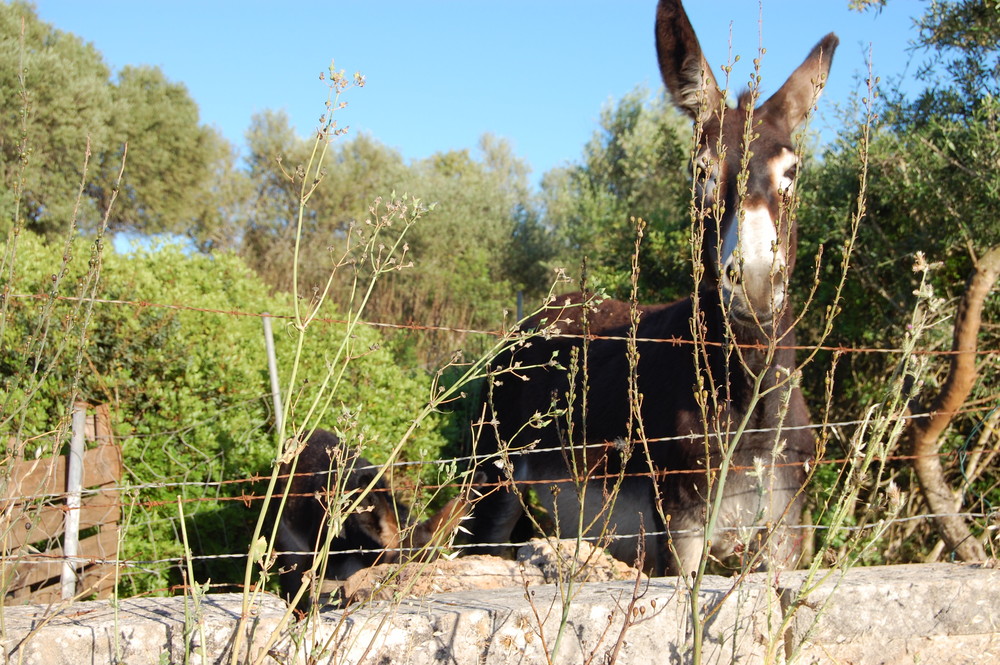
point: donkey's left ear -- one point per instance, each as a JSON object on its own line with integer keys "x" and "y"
{"x": 796, "y": 97}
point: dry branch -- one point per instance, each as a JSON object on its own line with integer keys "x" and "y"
{"x": 925, "y": 432}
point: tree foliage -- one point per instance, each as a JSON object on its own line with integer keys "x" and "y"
{"x": 56, "y": 94}
{"x": 636, "y": 165}
{"x": 484, "y": 242}
{"x": 960, "y": 37}
{"x": 933, "y": 188}
{"x": 480, "y": 243}
{"x": 60, "y": 98}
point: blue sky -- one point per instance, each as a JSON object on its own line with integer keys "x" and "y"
{"x": 440, "y": 73}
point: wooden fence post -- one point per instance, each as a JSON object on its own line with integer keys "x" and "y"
{"x": 44, "y": 497}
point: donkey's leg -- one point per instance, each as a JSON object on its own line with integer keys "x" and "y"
{"x": 294, "y": 561}
{"x": 782, "y": 544}
{"x": 684, "y": 544}
{"x": 617, "y": 519}
{"x": 494, "y": 516}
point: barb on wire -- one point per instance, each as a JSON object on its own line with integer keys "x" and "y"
{"x": 47, "y": 559}
{"x": 246, "y": 498}
{"x": 142, "y": 304}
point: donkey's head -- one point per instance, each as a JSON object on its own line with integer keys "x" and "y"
{"x": 745, "y": 166}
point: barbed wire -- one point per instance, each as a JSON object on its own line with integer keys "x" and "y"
{"x": 522, "y": 452}
{"x": 46, "y": 499}
{"x": 515, "y": 337}
{"x": 676, "y": 341}
{"x": 42, "y": 558}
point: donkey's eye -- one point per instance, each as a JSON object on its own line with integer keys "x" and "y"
{"x": 788, "y": 180}
{"x": 706, "y": 188}
{"x": 706, "y": 172}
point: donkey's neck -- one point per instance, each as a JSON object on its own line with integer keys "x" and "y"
{"x": 749, "y": 361}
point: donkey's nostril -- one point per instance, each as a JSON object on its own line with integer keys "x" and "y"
{"x": 778, "y": 280}
{"x": 731, "y": 272}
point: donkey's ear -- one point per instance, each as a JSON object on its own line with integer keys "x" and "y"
{"x": 682, "y": 64}
{"x": 797, "y": 96}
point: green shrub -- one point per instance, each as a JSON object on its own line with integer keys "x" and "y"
{"x": 174, "y": 346}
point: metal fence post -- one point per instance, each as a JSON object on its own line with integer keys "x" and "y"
{"x": 74, "y": 485}
{"x": 272, "y": 369}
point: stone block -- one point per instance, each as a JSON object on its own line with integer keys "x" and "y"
{"x": 919, "y": 614}
{"x": 530, "y": 626}
{"x": 143, "y": 631}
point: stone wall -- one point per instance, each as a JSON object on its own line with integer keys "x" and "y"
{"x": 918, "y": 614}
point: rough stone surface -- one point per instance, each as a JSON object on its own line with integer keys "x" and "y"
{"x": 146, "y": 630}
{"x": 564, "y": 559}
{"x": 920, "y": 614}
{"x": 538, "y": 562}
{"x": 388, "y": 581}
{"x": 503, "y": 626}
{"x": 902, "y": 615}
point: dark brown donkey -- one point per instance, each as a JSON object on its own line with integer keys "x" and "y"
{"x": 379, "y": 530}
{"x": 723, "y": 384}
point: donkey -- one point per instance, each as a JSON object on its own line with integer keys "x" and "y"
{"x": 377, "y": 531}
{"x": 723, "y": 384}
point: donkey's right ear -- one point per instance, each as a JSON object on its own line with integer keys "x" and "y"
{"x": 795, "y": 99}
{"x": 683, "y": 66}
